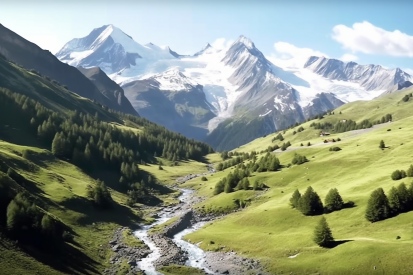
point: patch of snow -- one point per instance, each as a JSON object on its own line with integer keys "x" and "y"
{"x": 293, "y": 256}
{"x": 266, "y": 113}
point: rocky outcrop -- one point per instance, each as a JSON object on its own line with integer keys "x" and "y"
{"x": 123, "y": 252}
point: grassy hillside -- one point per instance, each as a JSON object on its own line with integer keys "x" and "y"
{"x": 274, "y": 231}
{"x": 50, "y": 159}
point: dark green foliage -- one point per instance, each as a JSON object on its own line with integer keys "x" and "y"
{"x": 278, "y": 137}
{"x": 220, "y": 187}
{"x": 378, "y": 207}
{"x": 382, "y": 145}
{"x": 335, "y": 149}
{"x": 409, "y": 171}
{"x": 310, "y": 203}
{"x": 236, "y": 158}
{"x": 322, "y": 233}
{"x": 398, "y": 174}
{"x": 333, "y": 201}
{"x": 224, "y": 155}
{"x": 299, "y": 159}
{"x": 308, "y": 144}
{"x": 295, "y": 199}
{"x": 204, "y": 178}
{"x": 300, "y": 129}
{"x": 100, "y": 195}
{"x": 269, "y": 162}
{"x": 405, "y": 98}
{"x": 255, "y": 186}
{"x": 395, "y": 200}
{"x": 160, "y": 167}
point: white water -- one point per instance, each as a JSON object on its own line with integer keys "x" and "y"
{"x": 195, "y": 254}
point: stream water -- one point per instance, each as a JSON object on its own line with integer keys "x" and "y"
{"x": 195, "y": 254}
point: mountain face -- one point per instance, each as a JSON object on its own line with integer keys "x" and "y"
{"x": 173, "y": 100}
{"x": 371, "y": 77}
{"x": 398, "y": 87}
{"x": 110, "y": 49}
{"x": 219, "y": 95}
{"x": 17, "y": 49}
{"x": 108, "y": 88}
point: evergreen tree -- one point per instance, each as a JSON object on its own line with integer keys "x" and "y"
{"x": 59, "y": 145}
{"x": 395, "y": 201}
{"x": 333, "y": 201}
{"x": 322, "y": 233}
{"x": 219, "y": 187}
{"x": 405, "y": 198}
{"x": 310, "y": 203}
{"x": 382, "y": 145}
{"x": 48, "y": 226}
{"x": 227, "y": 188}
{"x": 295, "y": 199}
{"x": 378, "y": 207}
{"x": 409, "y": 171}
{"x": 256, "y": 185}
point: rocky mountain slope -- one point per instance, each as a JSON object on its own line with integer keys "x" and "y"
{"x": 15, "y": 48}
{"x": 241, "y": 88}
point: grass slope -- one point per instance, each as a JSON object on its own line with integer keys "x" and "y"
{"x": 274, "y": 231}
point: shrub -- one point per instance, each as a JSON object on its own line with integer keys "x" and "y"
{"x": 398, "y": 174}
{"x": 335, "y": 149}
{"x": 382, "y": 145}
{"x": 298, "y": 159}
{"x": 333, "y": 201}
{"x": 204, "y": 178}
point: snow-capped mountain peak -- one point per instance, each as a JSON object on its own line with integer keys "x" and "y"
{"x": 246, "y": 41}
{"x": 371, "y": 77}
{"x": 207, "y": 49}
{"x": 174, "y": 80}
{"x": 109, "y": 48}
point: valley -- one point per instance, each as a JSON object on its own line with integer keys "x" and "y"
{"x": 126, "y": 158}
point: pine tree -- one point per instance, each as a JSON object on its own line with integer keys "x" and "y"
{"x": 256, "y": 185}
{"x": 322, "y": 233}
{"x": 227, "y": 188}
{"x": 58, "y": 145}
{"x": 48, "y": 226}
{"x": 378, "y": 207}
{"x": 310, "y": 203}
{"x": 295, "y": 199}
{"x": 382, "y": 145}
{"x": 333, "y": 201}
{"x": 409, "y": 171}
{"x": 395, "y": 201}
{"x": 405, "y": 198}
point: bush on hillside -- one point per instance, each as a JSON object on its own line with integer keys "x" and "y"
{"x": 333, "y": 201}
{"x": 204, "y": 178}
{"x": 100, "y": 195}
{"x": 299, "y": 159}
{"x": 295, "y": 199}
{"x": 398, "y": 174}
{"x": 335, "y": 149}
{"x": 382, "y": 145}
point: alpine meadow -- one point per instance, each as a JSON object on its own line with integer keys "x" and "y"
{"x": 247, "y": 155}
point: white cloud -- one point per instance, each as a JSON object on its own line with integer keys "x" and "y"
{"x": 222, "y": 43}
{"x": 290, "y": 56}
{"x": 366, "y": 38}
{"x": 348, "y": 57}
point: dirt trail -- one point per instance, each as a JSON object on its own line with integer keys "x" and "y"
{"x": 348, "y": 135}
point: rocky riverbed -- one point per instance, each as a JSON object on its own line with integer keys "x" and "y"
{"x": 168, "y": 247}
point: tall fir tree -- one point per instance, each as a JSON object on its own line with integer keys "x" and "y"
{"x": 322, "y": 233}
{"x": 333, "y": 201}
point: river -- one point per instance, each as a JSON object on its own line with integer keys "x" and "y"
{"x": 196, "y": 256}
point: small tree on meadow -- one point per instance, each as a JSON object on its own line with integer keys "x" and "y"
{"x": 382, "y": 145}
{"x": 406, "y": 199}
{"x": 395, "y": 201}
{"x": 409, "y": 171}
{"x": 295, "y": 199}
{"x": 378, "y": 207}
{"x": 333, "y": 201}
{"x": 322, "y": 233}
{"x": 255, "y": 185}
{"x": 310, "y": 203}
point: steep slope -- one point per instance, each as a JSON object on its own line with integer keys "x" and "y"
{"x": 108, "y": 88}
{"x": 371, "y": 77}
{"x": 266, "y": 102}
{"x": 281, "y": 237}
{"x": 398, "y": 87}
{"x": 173, "y": 100}
{"x": 17, "y": 49}
{"x": 110, "y": 49}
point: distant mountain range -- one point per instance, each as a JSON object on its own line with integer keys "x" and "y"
{"x": 225, "y": 97}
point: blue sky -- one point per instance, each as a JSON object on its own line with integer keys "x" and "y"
{"x": 278, "y": 28}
